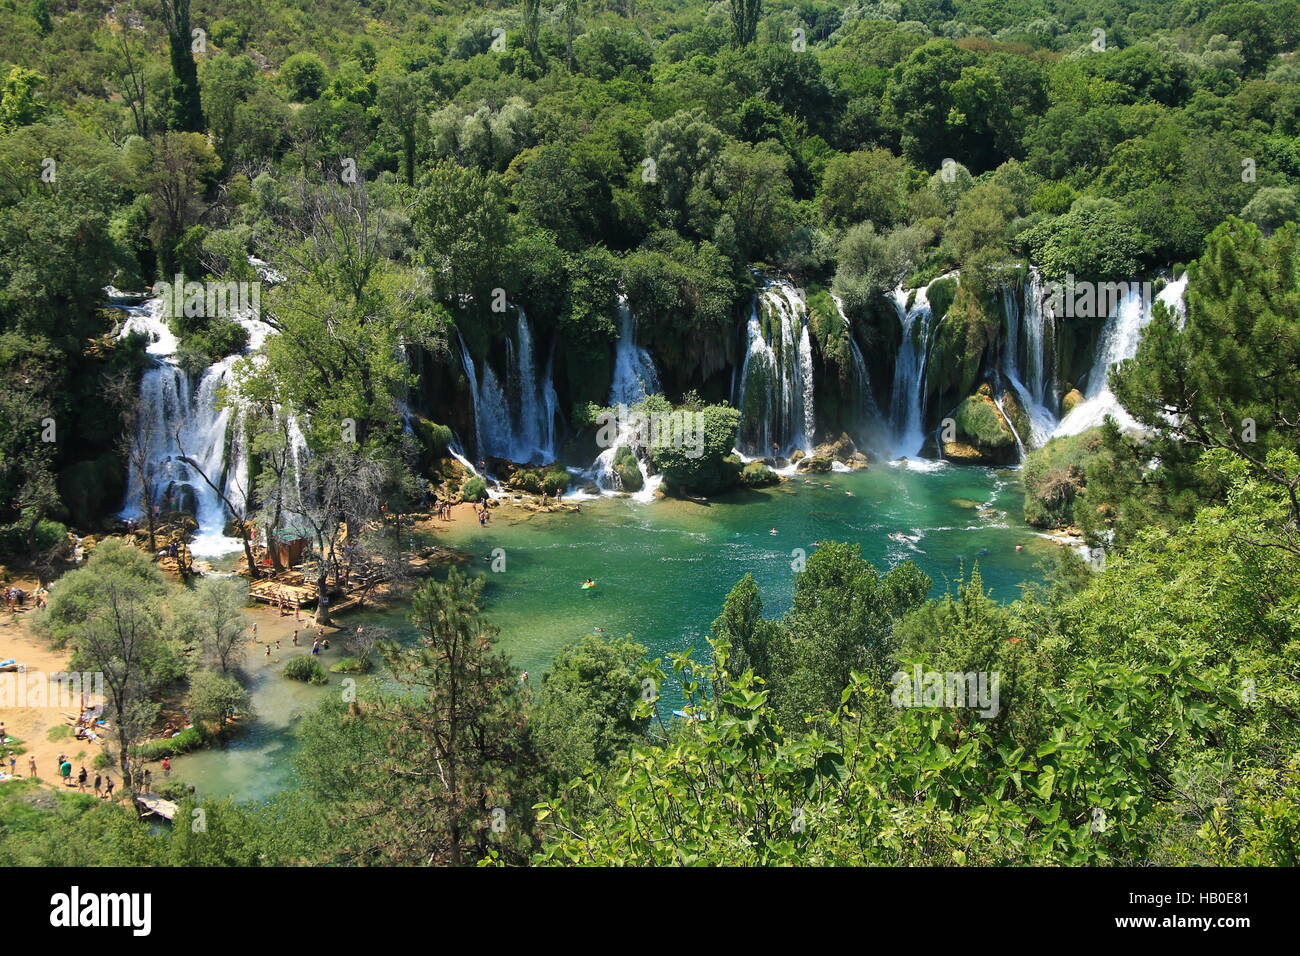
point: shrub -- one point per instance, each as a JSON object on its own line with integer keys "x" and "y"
{"x": 351, "y": 665}
{"x": 307, "y": 669}
{"x": 556, "y": 482}
{"x": 756, "y": 475}
{"x": 1054, "y": 478}
{"x": 473, "y": 490}
{"x": 191, "y": 738}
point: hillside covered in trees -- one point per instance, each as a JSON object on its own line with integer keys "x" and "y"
{"x": 827, "y": 236}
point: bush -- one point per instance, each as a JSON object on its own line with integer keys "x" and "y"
{"x": 978, "y": 419}
{"x": 1054, "y": 478}
{"x": 756, "y": 475}
{"x": 473, "y": 490}
{"x": 191, "y": 738}
{"x": 351, "y": 665}
{"x": 556, "y": 482}
{"x": 303, "y": 75}
{"x": 306, "y": 669}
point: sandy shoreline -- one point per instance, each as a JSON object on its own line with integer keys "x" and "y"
{"x": 32, "y": 724}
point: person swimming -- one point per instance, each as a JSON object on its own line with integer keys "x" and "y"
{"x": 774, "y": 531}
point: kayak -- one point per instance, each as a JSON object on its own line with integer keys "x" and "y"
{"x": 586, "y": 585}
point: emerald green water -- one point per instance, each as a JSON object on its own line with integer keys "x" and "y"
{"x": 662, "y": 570}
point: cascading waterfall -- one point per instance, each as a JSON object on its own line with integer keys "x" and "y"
{"x": 635, "y": 377}
{"x": 1035, "y": 390}
{"x": 178, "y": 418}
{"x": 867, "y": 412}
{"x": 907, "y": 398}
{"x": 1119, "y": 341}
{"x": 516, "y": 420}
{"x": 776, "y": 380}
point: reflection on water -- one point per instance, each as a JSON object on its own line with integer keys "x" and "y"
{"x": 662, "y": 571}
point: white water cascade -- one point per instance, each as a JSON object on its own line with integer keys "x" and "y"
{"x": 907, "y": 398}
{"x": 869, "y": 419}
{"x": 180, "y": 417}
{"x": 515, "y": 419}
{"x": 1030, "y": 368}
{"x": 1119, "y": 341}
{"x": 775, "y": 396}
{"x": 635, "y": 377}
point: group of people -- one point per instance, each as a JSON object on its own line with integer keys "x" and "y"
{"x": 442, "y": 509}
{"x": 15, "y": 597}
{"x": 484, "y": 516}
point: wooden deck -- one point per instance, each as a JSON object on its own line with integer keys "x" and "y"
{"x": 290, "y": 589}
{"x": 154, "y": 804}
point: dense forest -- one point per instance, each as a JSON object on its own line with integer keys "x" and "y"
{"x": 461, "y": 223}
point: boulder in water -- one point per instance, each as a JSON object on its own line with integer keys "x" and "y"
{"x": 839, "y": 450}
{"x": 983, "y": 434}
{"x": 1071, "y": 400}
{"x": 815, "y": 464}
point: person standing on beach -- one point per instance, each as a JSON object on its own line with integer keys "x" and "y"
{"x": 167, "y": 766}
{"x": 65, "y": 770}
{"x": 108, "y": 789}
{"x": 99, "y": 782}
{"x": 31, "y": 765}
{"x": 13, "y": 762}
{"x": 81, "y": 780}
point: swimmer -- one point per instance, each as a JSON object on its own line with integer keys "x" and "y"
{"x": 774, "y": 531}
{"x": 1020, "y": 547}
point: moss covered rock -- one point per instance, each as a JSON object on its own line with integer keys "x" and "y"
{"x": 982, "y": 434}
{"x": 757, "y": 475}
{"x": 815, "y": 463}
{"x": 1072, "y": 399}
{"x": 628, "y": 469}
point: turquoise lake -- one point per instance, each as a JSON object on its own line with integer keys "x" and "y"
{"x": 662, "y": 570}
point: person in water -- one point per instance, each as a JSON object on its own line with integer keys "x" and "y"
{"x": 588, "y": 583}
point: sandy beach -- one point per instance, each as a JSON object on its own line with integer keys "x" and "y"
{"x": 33, "y": 724}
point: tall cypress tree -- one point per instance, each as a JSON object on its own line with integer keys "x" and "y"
{"x": 187, "y": 107}
{"x": 744, "y": 21}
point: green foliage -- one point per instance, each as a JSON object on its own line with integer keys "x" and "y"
{"x": 474, "y": 489}
{"x": 978, "y": 419}
{"x": 692, "y": 450}
{"x": 1055, "y": 478}
{"x": 305, "y": 668}
{"x": 755, "y": 474}
{"x": 587, "y": 714}
{"x": 191, "y": 738}
{"x": 351, "y": 665}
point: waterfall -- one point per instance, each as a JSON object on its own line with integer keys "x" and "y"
{"x": 1037, "y": 396}
{"x": 178, "y": 415}
{"x": 1119, "y": 341}
{"x": 776, "y": 380}
{"x": 514, "y": 420}
{"x": 907, "y": 398}
{"x": 635, "y": 377}
{"x": 866, "y": 411}
{"x": 1020, "y": 445}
